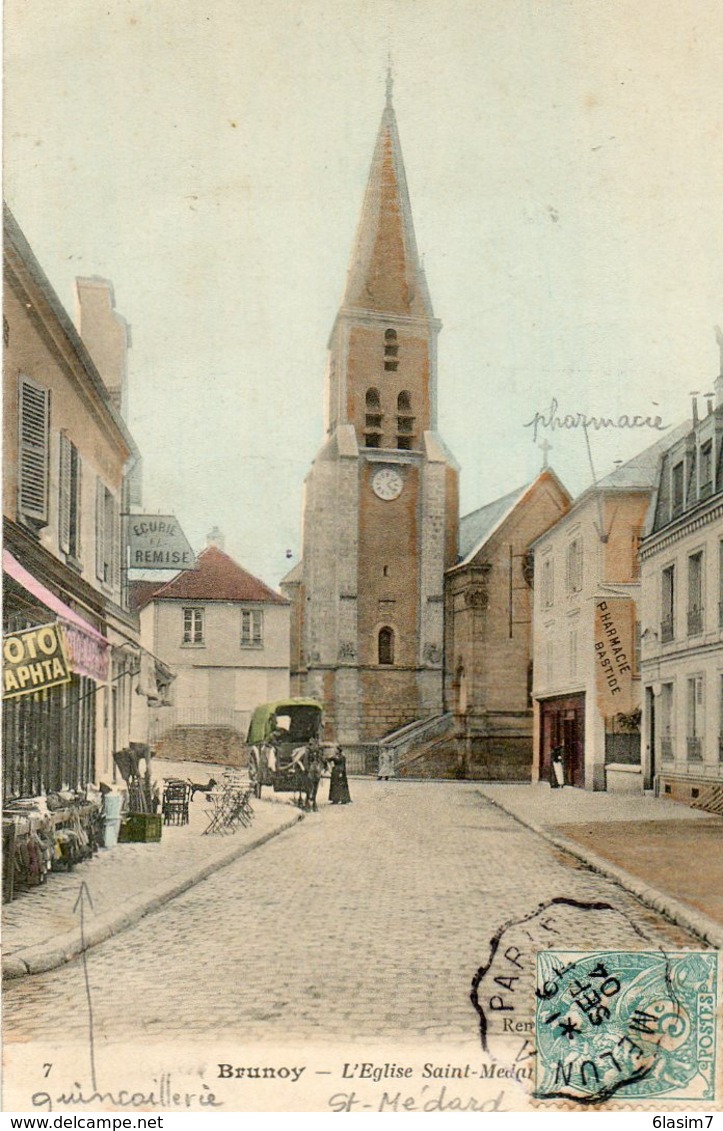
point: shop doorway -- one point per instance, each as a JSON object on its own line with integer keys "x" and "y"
{"x": 563, "y": 726}
{"x": 650, "y": 768}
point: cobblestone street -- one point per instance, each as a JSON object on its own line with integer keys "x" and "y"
{"x": 363, "y": 921}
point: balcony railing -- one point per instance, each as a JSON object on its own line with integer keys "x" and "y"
{"x": 695, "y": 621}
{"x": 666, "y": 630}
{"x": 666, "y": 749}
{"x": 695, "y": 750}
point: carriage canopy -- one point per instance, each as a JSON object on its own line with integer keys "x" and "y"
{"x": 300, "y": 718}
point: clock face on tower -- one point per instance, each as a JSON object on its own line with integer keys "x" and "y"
{"x": 387, "y": 483}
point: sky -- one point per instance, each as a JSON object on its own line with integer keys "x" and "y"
{"x": 209, "y": 157}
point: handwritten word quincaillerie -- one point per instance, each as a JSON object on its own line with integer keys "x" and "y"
{"x": 554, "y": 419}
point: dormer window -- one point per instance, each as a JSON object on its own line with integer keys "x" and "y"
{"x": 706, "y": 470}
{"x": 678, "y": 489}
{"x": 391, "y": 351}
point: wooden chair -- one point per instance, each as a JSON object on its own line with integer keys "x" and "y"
{"x": 176, "y": 796}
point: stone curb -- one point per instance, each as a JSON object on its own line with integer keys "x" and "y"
{"x": 695, "y": 921}
{"x": 64, "y": 948}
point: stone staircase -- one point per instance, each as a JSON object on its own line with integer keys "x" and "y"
{"x": 424, "y": 749}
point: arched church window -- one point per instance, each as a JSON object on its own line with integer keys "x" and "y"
{"x": 386, "y": 645}
{"x": 373, "y": 419}
{"x": 405, "y": 421}
{"x": 391, "y": 351}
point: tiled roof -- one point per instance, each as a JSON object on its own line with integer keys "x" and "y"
{"x": 217, "y": 578}
{"x": 140, "y": 593}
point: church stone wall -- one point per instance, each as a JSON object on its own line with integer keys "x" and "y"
{"x": 431, "y": 566}
{"x": 389, "y": 700}
{"x": 388, "y": 537}
{"x": 489, "y": 634}
{"x": 330, "y": 556}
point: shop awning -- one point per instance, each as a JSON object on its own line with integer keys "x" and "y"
{"x": 88, "y": 649}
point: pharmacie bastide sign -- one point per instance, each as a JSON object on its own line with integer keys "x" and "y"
{"x": 34, "y": 660}
{"x": 156, "y": 541}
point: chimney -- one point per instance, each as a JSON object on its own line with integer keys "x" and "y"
{"x": 106, "y": 335}
{"x": 719, "y": 378}
{"x": 215, "y": 538}
{"x": 695, "y": 407}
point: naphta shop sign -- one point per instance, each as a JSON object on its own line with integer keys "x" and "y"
{"x": 34, "y": 660}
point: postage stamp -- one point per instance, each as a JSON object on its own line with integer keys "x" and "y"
{"x": 626, "y": 1024}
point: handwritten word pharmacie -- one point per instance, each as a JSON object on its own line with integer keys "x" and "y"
{"x": 555, "y": 419}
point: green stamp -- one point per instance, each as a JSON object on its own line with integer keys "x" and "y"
{"x": 627, "y": 1024}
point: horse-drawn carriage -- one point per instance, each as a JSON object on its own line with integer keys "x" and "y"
{"x": 284, "y": 748}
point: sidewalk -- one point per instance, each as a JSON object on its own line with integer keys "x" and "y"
{"x": 41, "y": 930}
{"x": 668, "y": 855}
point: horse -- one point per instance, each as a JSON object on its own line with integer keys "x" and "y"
{"x": 308, "y": 765}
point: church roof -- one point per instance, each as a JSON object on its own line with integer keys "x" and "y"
{"x": 476, "y": 528}
{"x": 295, "y": 574}
{"x": 385, "y": 273}
{"x": 216, "y": 578}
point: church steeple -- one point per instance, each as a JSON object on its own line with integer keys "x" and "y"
{"x": 380, "y": 505}
{"x": 385, "y": 274}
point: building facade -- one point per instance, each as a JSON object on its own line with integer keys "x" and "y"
{"x": 66, "y": 456}
{"x": 489, "y": 630}
{"x": 381, "y": 499}
{"x": 225, "y": 634}
{"x": 586, "y": 673}
{"x": 682, "y": 615}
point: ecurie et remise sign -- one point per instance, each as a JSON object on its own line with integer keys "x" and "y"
{"x": 34, "y": 660}
{"x": 156, "y": 541}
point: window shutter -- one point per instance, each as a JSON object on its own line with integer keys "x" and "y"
{"x": 78, "y": 505}
{"x": 100, "y": 530}
{"x": 691, "y": 708}
{"x": 34, "y": 412}
{"x": 115, "y": 547}
{"x": 64, "y": 488}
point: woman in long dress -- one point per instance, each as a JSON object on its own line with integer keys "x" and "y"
{"x": 339, "y": 786}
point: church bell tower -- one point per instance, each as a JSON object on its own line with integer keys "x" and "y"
{"x": 381, "y": 498}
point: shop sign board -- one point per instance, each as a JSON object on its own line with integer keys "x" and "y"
{"x": 156, "y": 541}
{"x": 34, "y": 660}
{"x": 88, "y": 654}
{"x": 614, "y": 655}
